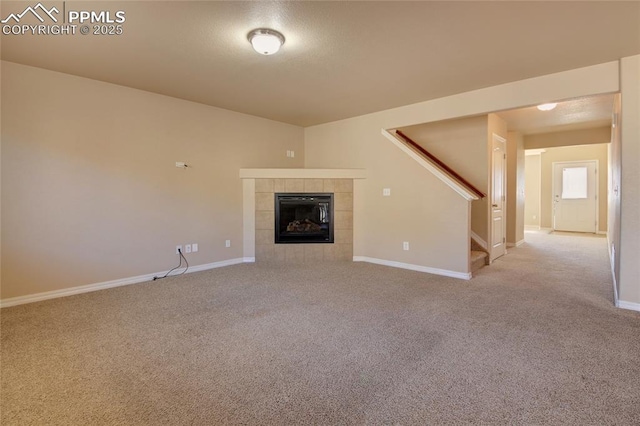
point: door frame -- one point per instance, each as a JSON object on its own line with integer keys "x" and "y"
{"x": 597, "y": 190}
{"x": 492, "y": 255}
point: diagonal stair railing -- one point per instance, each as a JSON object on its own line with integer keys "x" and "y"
{"x": 442, "y": 166}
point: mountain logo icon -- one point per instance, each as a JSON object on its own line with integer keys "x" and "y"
{"x": 34, "y": 11}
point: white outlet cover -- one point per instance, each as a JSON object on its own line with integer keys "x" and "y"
{"x": 293, "y": 154}
{"x": 178, "y": 248}
{"x": 180, "y": 164}
{"x": 386, "y": 192}
{"x": 194, "y": 247}
{"x": 405, "y": 245}
{"x": 227, "y": 243}
{"x": 187, "y": 248}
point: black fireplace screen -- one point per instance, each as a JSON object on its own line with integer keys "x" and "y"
{"x": 303, "y": 218}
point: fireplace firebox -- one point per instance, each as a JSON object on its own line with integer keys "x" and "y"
{"x": 303, "y": 218}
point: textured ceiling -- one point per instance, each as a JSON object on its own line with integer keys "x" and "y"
{"x": 581, "y": 113}
{"x": 340, "y": 59}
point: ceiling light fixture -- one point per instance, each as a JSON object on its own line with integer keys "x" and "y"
{"x": 265, "y": 41}
{"x": 547, "y": 107}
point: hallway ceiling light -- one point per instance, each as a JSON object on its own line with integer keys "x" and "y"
{"x": 265, "y": 41}
{"x": 547, "y": 107}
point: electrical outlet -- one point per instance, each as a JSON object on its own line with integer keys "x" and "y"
{"x": 386, "y": 192}
{"x": 293, "y": 154}
{"x": 194, "y": 247}
{"x": 405, "y": 245}
{"x": 288, "y": 153}
{"x": 180, "y": 164}
{"x": 187, "y": 248}
{"x": 178, "y": 249}
{"x": 227, "y": 243}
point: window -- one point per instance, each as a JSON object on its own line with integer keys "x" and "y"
{"x": 574, "y": 183}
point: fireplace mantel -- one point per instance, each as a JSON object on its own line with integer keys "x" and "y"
{"x": 303, "y": 174}
{"x": 261, "y": 182}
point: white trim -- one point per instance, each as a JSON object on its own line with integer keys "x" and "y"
{"x": 401, "y": 265}
{"x": 601, "y": 233}
{"x": 248, "y": 260}
{"x": 427, "y": 164}
{"x": 482, "y": 243}
{"x": 303, "y": 173}
{"x": 517, "y": 244}
{"x": 629, "y": 305}
{"x": 21, "y": 300}
{"x": 495, "y": 247}
{"x": 528, "y": 152}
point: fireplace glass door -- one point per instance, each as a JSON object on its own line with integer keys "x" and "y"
{"x": 303, "y": 218}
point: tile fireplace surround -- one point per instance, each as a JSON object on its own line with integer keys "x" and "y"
{"x": 259, "y": 187}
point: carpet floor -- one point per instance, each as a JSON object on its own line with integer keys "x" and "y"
{"x": 533, "y": 339}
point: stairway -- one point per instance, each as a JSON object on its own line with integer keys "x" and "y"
{"x": 478, "y": 260}
{"x": 479, "y": 257}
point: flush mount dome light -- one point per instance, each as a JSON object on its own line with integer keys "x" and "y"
{"x": 265, "y": 41}
{"x": 547, "y": 107}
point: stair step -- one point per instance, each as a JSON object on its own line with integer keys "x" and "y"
{"x": 478, "y": 260}
{"x": 475, "y": 255}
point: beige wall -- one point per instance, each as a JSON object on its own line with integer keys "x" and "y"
{"x": 462, "y": 145}
{"x": 413, "y": 211}
{"x": 630, "y": 181}
{"x": 90, "y": 191}
{"x": 532, "y": 190}
{"x": 515, "y": 187}
{"x": 549, "y": 141}
{"x": 0, "y": 183}
{"x": 568, "y": 137}
{"x": 137, "y": 133}
{"x": 573, "y": 153}
{"x": 465, "y": 146}
{"x": 438, "y": 238}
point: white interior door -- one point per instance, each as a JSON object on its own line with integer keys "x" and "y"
{"x": 575, "y": 196}
{"x": 498, "y": 198}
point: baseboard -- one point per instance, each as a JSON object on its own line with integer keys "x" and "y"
{"x": 249, "y": 260}
{"x": 629, "y": 305}
{"x": 31, "y": 298}
{"x": 517, "y": 244}
{"x": 482, "y": 243}
{"x": 401, "y": 265}
{"x": 601, "y": 232}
